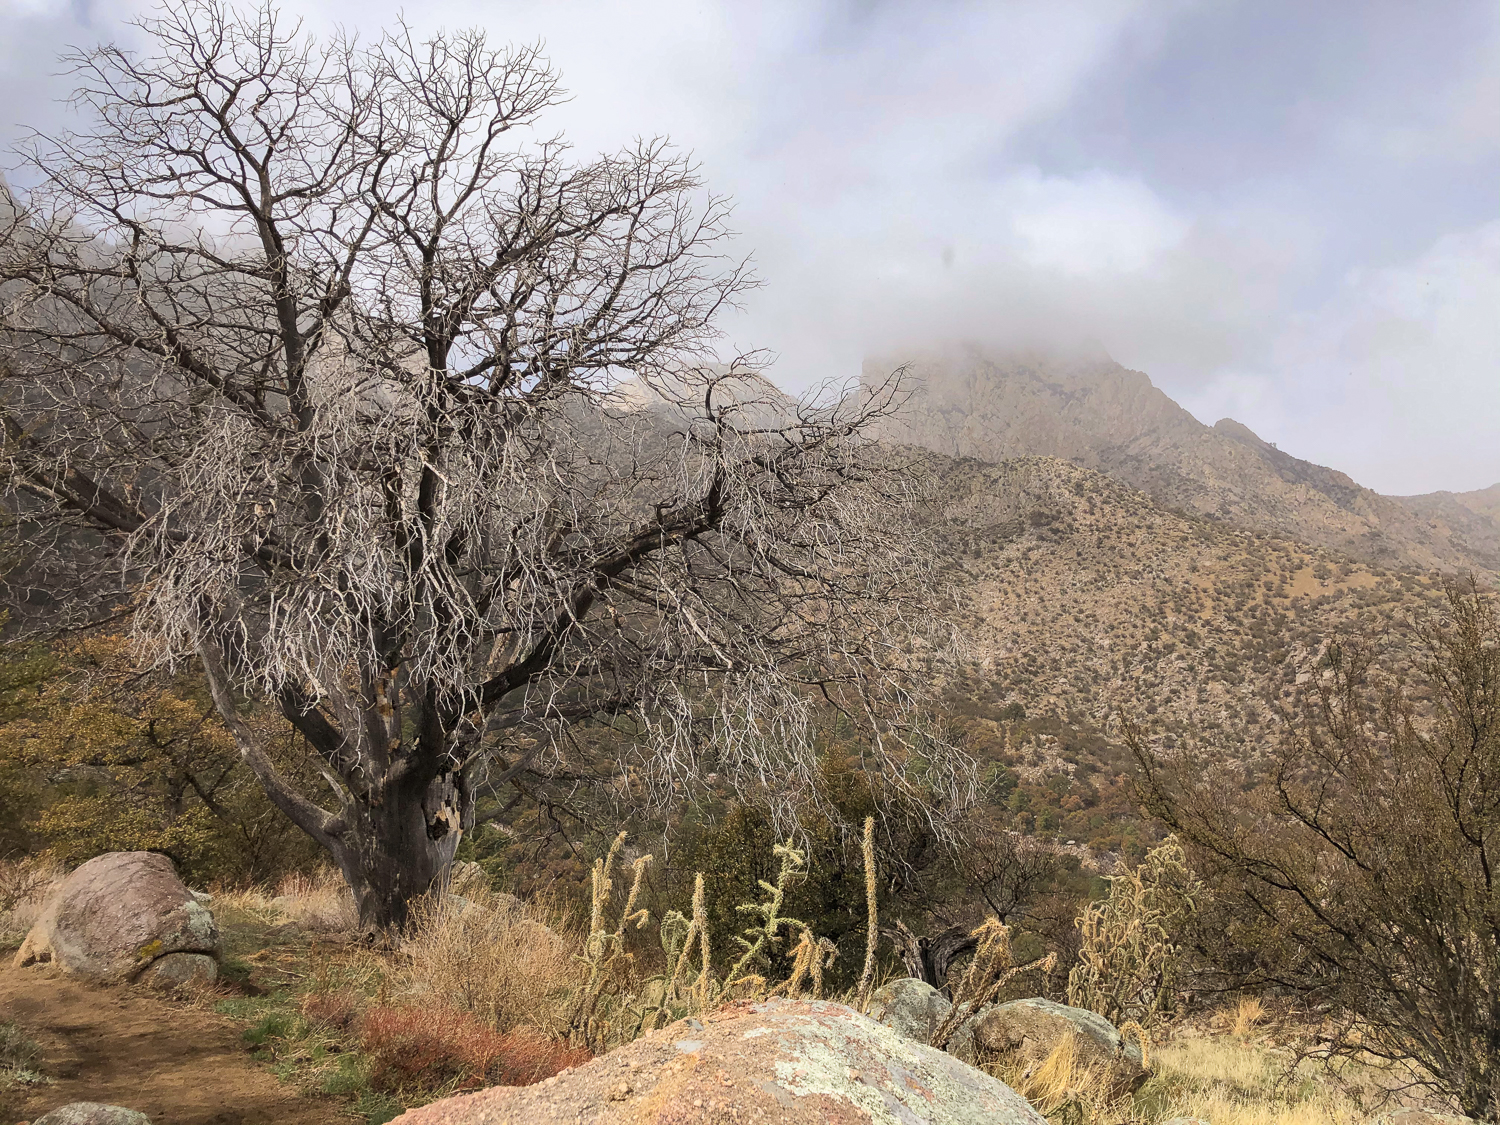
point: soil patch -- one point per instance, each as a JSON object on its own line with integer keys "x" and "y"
{"x": 177, "y": 1063}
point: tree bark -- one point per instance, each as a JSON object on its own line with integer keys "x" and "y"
{"x": 929, "y": 959}
{"x": 396, "y": 848}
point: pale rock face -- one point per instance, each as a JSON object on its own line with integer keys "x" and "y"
{"x": 1024, "y": 1032}
{"x": 1091, "y": 411}
{"x": 92, "y": 1113}
{"x": 122, "y": 916}
{"x": 791, "y": 1062}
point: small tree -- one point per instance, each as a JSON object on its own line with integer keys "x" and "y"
{"x": 322, "y": 347}
{"x": 1368, "y": 870}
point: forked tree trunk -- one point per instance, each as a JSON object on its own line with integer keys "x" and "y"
{"x": 928, "y": 959}
{"x": 392, "y": 840}
{"x": 393, "y": 852}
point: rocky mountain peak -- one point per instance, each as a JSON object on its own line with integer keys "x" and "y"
{"x": 1088, "y": 409}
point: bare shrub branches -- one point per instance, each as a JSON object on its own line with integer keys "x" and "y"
{"x": 1363, "y": 874}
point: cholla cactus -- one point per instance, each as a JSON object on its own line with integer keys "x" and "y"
{"x": 1125, "y": 965}
{"x": 993, "y": 966}
{"x": 872, "y": 917}
{"x": 604, "y": 949}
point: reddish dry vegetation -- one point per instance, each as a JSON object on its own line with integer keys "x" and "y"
{"x": 432, "y": 1046}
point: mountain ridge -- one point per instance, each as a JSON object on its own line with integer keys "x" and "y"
{"x": 1098, "y": 414}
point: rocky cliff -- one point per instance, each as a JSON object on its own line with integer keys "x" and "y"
{"x": 1095, "y": 413}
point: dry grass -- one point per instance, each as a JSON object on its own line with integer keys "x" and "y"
{"x": 1065, "y": 1087}
{"x": 511, "y": 964}
{"x": 1226, "y": 1079}
{"x": 432, "y": 1048}
{"x": 24, "y": 885}
{"x": 319, "y": 903}
{"x": 1247, "y": 1013}
{"x": 1232, "y": 1082}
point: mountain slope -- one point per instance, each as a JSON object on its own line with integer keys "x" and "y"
{"x": 1096, "y": 413}
{"x": 1081, "y": 598}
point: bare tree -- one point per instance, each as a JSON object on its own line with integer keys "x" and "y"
{"x": 324, "y": 345}
{"x": 1367, "y": 872}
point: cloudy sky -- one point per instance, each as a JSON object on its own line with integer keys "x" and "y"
{"x": 1285, "y": 212}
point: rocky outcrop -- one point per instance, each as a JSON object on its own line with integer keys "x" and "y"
{"x": 125, "y": 916}
{"x": 910, "y": 1007}
{"x": 92, "y": 1113}
{"x": 791, "y": 1062}
{"x": 1025, "y": 1032}
{"x": 1091, "y": 411}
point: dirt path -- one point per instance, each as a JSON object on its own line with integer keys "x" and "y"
{"x": 177, "y": 1063}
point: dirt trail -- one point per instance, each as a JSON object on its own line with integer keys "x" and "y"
{"x": 179, "y": 1064}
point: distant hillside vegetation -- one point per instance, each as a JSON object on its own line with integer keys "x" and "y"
{"x": 1081, "y": 598}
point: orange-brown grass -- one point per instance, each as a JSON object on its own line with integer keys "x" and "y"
{"x": 429, "y": 1047}
{"x": 337, "y": 1010}
{"x": 511, "y": 964}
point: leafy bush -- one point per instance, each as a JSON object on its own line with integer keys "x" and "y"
{"x": 1364, "y": 873}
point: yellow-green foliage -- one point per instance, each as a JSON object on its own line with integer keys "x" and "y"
{"x": 98, "y": 754}
{"x": 1126, "y": 961}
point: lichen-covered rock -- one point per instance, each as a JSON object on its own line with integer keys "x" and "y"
{"x": 177, "y": 970}
{"x": 1422, "y": 1117}
{"x": 910, "y": 1007}
{"x": 1024, "y": 1032}
{"x": 791, "y": 1062}
{"x": 119, "y": 916}
{"x": 1186, "y": 1121}
{"x": 92, "y": 1113}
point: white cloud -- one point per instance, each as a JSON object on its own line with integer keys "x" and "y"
{"x": 873, "y": 153}
{"x": 1095, "y": 224}
{"x": 1396, "y": 380}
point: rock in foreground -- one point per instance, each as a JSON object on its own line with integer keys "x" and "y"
{"x": 1024, "y": 1032}
{"x": 792, "y": 1062}
{"x": 125, "y": 916}
{"x": 92, "y": 1113}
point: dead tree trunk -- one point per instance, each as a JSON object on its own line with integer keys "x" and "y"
{"x": 928, "y": 959}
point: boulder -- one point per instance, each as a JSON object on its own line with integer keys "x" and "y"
{"x": 910, "y": 1007}
{"x": 178, "y": 969}
{"x": 1024, "y": 1032}
{"x": 1186, "y": 1121}
{"x": 791, "y": 1062}
{"x": 465, "y": 876}
{"x": 123, "y": 916}
{"x": 92, "y": 1113}
{"x": 1422, "y": 1117}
